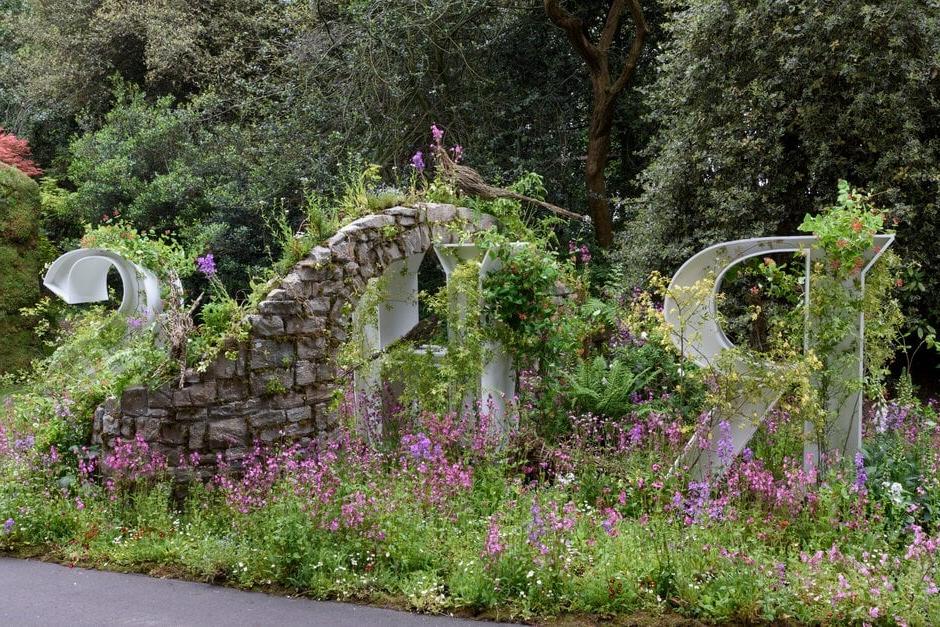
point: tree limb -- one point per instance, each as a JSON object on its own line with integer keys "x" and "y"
{"x": 610, "y": 27}
{"x": 469, "y": 181}
{"x": 636, "y": 48}
{"x": 576, "y": 32}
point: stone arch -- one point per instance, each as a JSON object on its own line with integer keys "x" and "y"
{"x": 280, "y": 382}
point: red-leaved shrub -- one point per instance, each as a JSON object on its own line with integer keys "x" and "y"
{"x": 15, "y": 151}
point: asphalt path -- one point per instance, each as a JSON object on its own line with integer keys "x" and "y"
{"x": 38, "y": 593}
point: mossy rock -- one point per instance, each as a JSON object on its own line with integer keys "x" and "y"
{"x": 20, "y": 265}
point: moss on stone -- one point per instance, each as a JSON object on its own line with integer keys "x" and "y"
{"x": 20, "y": 265}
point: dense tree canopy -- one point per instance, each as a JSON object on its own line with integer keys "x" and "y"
{"x": 760, "y": 109}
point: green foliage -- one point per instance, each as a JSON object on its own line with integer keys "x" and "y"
{"x": 96, "y": 354}
{"x": 846, "y": 231}
{"x": 606, "y": 389}
{"x": 761, "y": 108}
{"x": 156, "y": 252}
{"x": 522, "y": 302}
{"x": 21, "y": 258}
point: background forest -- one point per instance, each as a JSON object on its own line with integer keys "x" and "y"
{"x": 210, "y": 119}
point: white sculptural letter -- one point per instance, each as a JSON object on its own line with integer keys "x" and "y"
{"x": 696, "y": 332}
{"x": 398, "y": 313}
{"x": 81, "y": 276}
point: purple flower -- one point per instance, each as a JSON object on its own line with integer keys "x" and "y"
{"x": 418, "y": 161}
{"x": 206, "y": 265}
{"x": 585, "y": 254}
{"x": 8, "y": 526}
{"x": 493, "y": 547}
{"x": 421, "y": 447}
{"x": 458, "y": 153}
{"x": 135, "y": 323}
{"x": 437, "y": 134}
{"x": 725, "y": 443}
{"x": 861, "y": 476}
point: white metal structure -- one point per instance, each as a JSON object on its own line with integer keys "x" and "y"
{"x": 696, "y": 332}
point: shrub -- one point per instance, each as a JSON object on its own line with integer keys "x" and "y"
{"x": 22, "y": 252}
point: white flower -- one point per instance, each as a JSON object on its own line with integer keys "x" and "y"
{"x": 529, "y": 574}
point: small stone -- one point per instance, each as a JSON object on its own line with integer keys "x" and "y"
{"x": 320, "y": 255}
{"x": 372, "y": 222}
{"x": 269, "y": 353}
{"x": 289, "y": 400}
{"x": 228, "y": 433}
{"x": 231, "y": 389}
{"x": 186, "y": 414}
{"x": 225, "y": 368}
{"x": 197, "y": 436}
{"x": 441, "y": 213}
{"x": 110, "y": 425}
{"x": 202, "y": 393}
{"x": 162, "y": 397}
{"x": 272, "y": 382}
{"x": 173, "y": 433}
{"x": 310, "y": 348}
{"x": 266, "y": 325}
{"x": 410, "y": 212}
{"x": 134, "y": 401}
{"x": 280, "y": 308}
{"x": 319, "y": 305}
{"x": 148, "y": 428}
{"x": 306, "y": 373}
{"x": 267, "y": 418}
{"x": 298, "y": 413}
{"x": 305, "y": 326}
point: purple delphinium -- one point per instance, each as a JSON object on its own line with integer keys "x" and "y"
{"x": 206, "y": 265}
{"x": 8, "y": 526}
{"x": 437, "y": 133}
{"x": 420, "y": 448}
{"x": 861, "y": 476}
{"x": 418, "y": 161}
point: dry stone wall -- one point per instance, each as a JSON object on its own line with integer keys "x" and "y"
{"x": 281, "y": 381}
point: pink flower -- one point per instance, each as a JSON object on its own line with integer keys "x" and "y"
{"x": 493, "y": 547}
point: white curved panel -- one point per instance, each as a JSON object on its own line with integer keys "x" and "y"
{"x": 694, "y": 324}
{"x": 81, "y": 276}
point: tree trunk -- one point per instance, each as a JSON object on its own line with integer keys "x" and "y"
{"x": 606, "y": 88}
{"x": 598, "y": 153}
